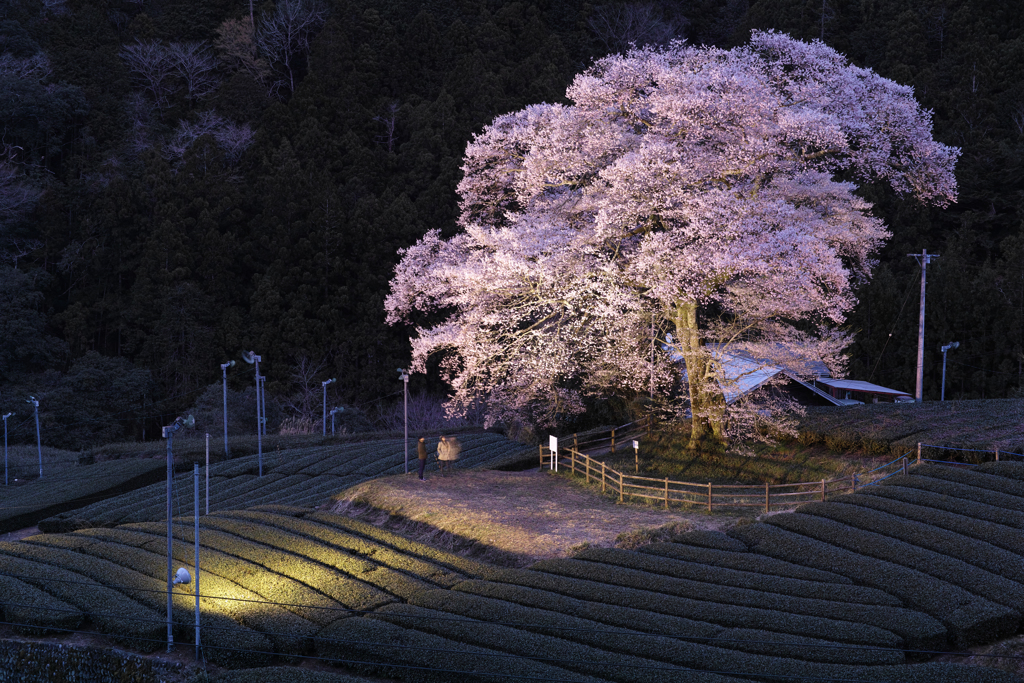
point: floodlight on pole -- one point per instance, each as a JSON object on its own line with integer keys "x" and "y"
{"x": 39, "y": 441}
{"x": 404, "y": 376}
{"x": 334, "y": 411}
{"x": 5, "y": 446}
{"x": 224, "y": 371}
{"x": 944, "y": 349}
{"x": 168, "y": 433}
{"x": 325, "y": 383}
{"x": 251, "y": 358}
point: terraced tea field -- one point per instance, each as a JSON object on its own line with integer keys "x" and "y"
{"x": 300, "y": 477}
{"x": 858, "y": 589}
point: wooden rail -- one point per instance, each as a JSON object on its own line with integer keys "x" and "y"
{"x": 710, "y": 495}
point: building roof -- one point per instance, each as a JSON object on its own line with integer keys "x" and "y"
{"x": 863, "y": 387}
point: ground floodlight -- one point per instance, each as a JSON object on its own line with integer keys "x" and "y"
{"x": 182, "y": 576}
{"x": 190, "y": 422}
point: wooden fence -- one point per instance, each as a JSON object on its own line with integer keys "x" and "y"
{"x": 709, "y": 496}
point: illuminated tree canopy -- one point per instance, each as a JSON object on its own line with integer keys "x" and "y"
{"x": 712, "y": 190}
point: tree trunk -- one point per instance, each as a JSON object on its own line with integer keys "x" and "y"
{"x": 707, "y": 403}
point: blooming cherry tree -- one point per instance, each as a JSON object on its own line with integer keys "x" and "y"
{"x": 713, "y": 190}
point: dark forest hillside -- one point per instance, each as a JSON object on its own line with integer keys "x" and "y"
{"x": 176, "y": 187}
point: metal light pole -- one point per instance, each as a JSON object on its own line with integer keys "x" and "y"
{"x": 169, "y": 435}
{"x": 5, "y": 446}
{"x": 39, "y": 441}
{"x": 944, "y": 349}
{"x": 404, "y": 376}
{"x": 195, "y": 533}
{"x": 224, "y": 371}
{"x": 334, "y": 411}
{"x": 325, "y": 383}
{"x": 251, "y": 358}
{"x": 924, "y": 258}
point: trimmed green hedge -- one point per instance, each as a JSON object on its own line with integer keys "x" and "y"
{"x": 289, "y": 633}
{"x": 929, "y": 635}
{"x": 996, "y": 589}
{"x": 946, "y": 487}
{"x": 698, "y": 654}
{"x": 34, "y": 662}
{"x": 329, "y": 538}
{"x": 277, "y": 674}
{"x": 756, "y": 581}
{"x": 975, "y": 550}
{"x": 32, "y": 611}
{"x": 282, "y": 577}
{"x": 968, "y": 618}
{"x": 991, "y": 482}
{"x": 112, "y": 613}
{"x": 379, "y": 648}
{"x": 583, "y": 659}
{"x": 471, "y": 568}
{"x": 26, "y": 505}
{"x": 745, "y": 561}
{"x": 715, "y": 540}
{"x": 1012, "y": 469}
{"x": 997, "y": 534}
{"x": 959, "y": 506}
{"x": 371, "y": 572}
{"x": 902, "y": 622}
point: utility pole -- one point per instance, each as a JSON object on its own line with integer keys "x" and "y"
{"x": 324, "y": 420}
{"x": 944, "y": 349}
{"x": 923, "y": 259}
{"x": 224, "y": 371}
{"x": 39, "y": 440}
{"x": 403, "y": 375}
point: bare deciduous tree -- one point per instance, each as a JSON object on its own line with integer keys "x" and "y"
{"x": 197, "y": 66}
{"x": 36, "y": 67}
{"x": 152, "y": 66}
{"x": 638, "y": 23}
{"x": 232, "y": 138}
{"x": 288, "y": 33}
{"x": 17, "y": 196}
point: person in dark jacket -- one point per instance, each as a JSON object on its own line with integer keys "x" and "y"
{"x": 421, "y": 452}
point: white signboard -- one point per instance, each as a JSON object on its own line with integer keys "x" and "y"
{"x": 636, "y": 445}
{"x": 553, "y": 447}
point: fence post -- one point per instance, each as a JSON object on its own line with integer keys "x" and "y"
{"x": 997, "y": 455}
{"x": 604, "y": 471}
{"x": 574, "y": 442}
{"x": 918, "y": 452}
{"x": 904, "y": 466}
{"x": 767, "y": 498}
{"x": 613, "y": 441}
{"x": 666, "y": 493}
{"x": 572, "y": 460}
{"x": 709, "y": 494}
{"x": 540, "y": 449}
{"x": 586, "y": 462}
{"x": 621, "y": 487}
{"x": 822, "y": 490}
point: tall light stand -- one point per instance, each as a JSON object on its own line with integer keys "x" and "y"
{"x": 404, "y": 376}
{"x": 169, "y": 435}
{"x": 207, "y": 483}
{"x": 5, "y": 446}
{"x": 224, "y": 371}
{"x": 39, "y": 441}
{"x": 251, "y": 358}
{"x": 325, "y": 383}
{"x": 195, "y": 533}
{"x": 335, "y": 411}
{"x": 924, "y": 258}
{"x": 944, "y": 349}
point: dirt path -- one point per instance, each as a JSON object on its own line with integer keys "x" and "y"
{"x": 533, "y": 514}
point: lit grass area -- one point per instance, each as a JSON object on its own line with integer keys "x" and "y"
{"x": 665, "y": 454}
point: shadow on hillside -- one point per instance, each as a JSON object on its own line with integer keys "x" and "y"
{"x": 428, "y": 534}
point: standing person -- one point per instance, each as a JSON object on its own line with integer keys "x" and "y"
{"x": 421, "y": 453}
{"x": 442, "y": 453}
{"x": 448, "y": 450}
